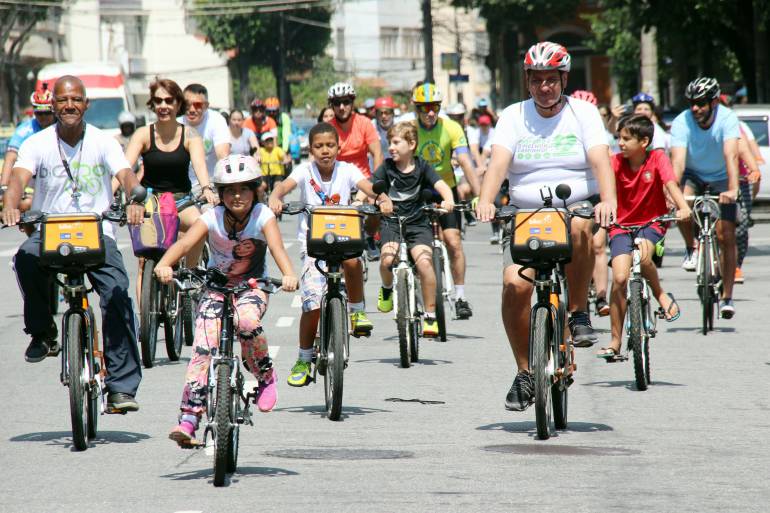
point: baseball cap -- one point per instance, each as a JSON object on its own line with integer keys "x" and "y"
{"x": 270, "y": 134}
{"x": 369, "y": 103}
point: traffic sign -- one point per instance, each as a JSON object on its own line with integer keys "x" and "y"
{"x": 459, "y": 78}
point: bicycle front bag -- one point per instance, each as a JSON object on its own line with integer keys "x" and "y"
{"x": 335, "y": 233}
{"x": 71, "y": 241}
{"x": 541, "y": 237}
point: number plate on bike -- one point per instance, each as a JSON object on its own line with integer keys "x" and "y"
{"x": 540, "y": 237}
{"x": 335, "y": 232}
{"x": 71, "y": 241}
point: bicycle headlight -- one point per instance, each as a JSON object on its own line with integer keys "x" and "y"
{"x": 534, "y": 244}
{"x": 329, "y": 238}
{"x": 64, "y": 249}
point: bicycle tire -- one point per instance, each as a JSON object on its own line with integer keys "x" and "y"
{"x": 188, "y": 319}
{"x": 402, "y": 317}
{"x": 172, "y": 329}
{"x": 416, "y": 328}
{"x": 148, "y": 316}
{"x": 540, "y": 352}
{"x": 77, "y": 387}
{"x": 335, "y": 358}
{"x": 222, "y": 422}
{"x": 438, "y": 268}
{"x": 93, "y": 391}
{"x": 235, "y": 413}
{"x": 636, "y": 335}
{"x": 560, "y": 389}
{"x": 707, "y": 302}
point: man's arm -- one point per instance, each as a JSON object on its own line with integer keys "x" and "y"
{"x": 493, "y": 179}
{"x": 599, "y": 160}
{"x": 464, "y": 160}
{"x": 678, "y": 160}
{"x": 222, "y": 150}
{"x": 10, "y": 160}
{"x": 376, "y": 151}
{"x": 128, "y": 180}
{"x": 730, "y": 150}
{"x": 19, "y": 179}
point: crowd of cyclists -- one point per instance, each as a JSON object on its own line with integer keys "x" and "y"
{"x": 624, "y": 165}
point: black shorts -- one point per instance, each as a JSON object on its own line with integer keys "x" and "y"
{"x": 451, "y": 221}
{"x": 415, "y": 235}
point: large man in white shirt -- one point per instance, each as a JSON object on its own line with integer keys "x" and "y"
{"x": 73, "y": 164}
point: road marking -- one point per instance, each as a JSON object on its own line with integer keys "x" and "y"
{"x": 296, "y": 302}
{"x": 284, "y": 322}
{"x": 188, "y": 511}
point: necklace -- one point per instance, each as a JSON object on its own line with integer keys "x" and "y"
{"x": 74, "y": 179}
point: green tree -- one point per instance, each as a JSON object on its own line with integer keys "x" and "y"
{"x": 254, "y": 38}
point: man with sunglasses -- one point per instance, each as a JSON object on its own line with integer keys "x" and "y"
{"x": 42, "y": 110}
{"x": 213, "y": 129}
{"x": 438, "y": 138}
{"x": 358, "y": 140}
{"x": 259, "y": 122}
{"x": 704, "y": 152}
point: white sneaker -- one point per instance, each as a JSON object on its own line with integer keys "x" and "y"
{"x": 690, "y": 261}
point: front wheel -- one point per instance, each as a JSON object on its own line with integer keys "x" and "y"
{"x": 707, "y": 291}
{"x": 235, "y": 414}
{"x": 78, "y": 384}
{"x": 402, "y": 316}
{"x": 438, "y": 268}
{"x": 172, "y": 321}
{"x": 336, "y": 331}
{"x": 541, "y": 361}
{"x": 149, "y": 318}
{"x": 222, "y": 422}
{"x": 560, "y": 389}
{"x": 637, "y": 336}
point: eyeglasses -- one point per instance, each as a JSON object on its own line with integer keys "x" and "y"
{"x": 197, "y": 105}
{"x": 548, "y": 82}
{"x": 428, "y": 107}
{"x": 336, "y": 102}
{"x": 168, "y": 100}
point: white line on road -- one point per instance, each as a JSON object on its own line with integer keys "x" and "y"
{"x": 296, "y": 302}
{"x": 284, "y": 322}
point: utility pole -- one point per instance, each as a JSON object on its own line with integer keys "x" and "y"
{"x": 459, "y": 50}
{"x": 427, "y": 39}
{"x": 649, "y": 46}
{"x": 283, "y": 91}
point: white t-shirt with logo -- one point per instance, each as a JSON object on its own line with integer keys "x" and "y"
{"x": 549, "y": 151}
{"x": 345, "y": 178}
{"x": 214, "y": 131}
{"x": 244, "y": 256}
{"x": 93, "y": 161}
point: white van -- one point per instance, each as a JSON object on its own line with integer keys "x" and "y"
{"x": 105, "y": 87}
{"x": 757, "y": 116}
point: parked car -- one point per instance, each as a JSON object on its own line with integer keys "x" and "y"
{"x": 757, "y": 117}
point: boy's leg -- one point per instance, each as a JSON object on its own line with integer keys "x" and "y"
{"x": 601, "y": 270}
{"x": 621, "y": 266}
{"x": 312, "y": 286}
{"x": 385, "y": 296}
{"x": 422, "y": 256}
{"x": 354, "y": 280}
{"x": 650, "y": 273}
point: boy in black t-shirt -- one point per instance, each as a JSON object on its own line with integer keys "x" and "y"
{"x": 406, "y": 177}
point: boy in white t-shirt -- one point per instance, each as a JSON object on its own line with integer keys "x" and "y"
{"x": 325, "y": 181}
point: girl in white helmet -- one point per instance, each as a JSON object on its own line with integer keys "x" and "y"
{"x": 239, "y": 230}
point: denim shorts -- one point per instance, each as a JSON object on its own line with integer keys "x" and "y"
{"x": 622, "y": 244}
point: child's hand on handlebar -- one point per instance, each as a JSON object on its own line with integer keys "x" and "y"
{"x": 289, "y": 283}
{"x": 683, "y": 214}
{"x": 275, "y": 205}
{"x": 605, "y": 213}
{"x": 386, "y": 206}
{"x": 164, "y": 273}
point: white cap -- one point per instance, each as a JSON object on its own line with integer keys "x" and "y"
{"x": 270, "y": 134}
{"x": 126, "y": 117}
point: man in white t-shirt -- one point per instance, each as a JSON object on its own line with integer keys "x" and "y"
{"x": 211, "y": 126}
{"x": 73, "y": 165}
{"x": 550, "y": 139}
{"x": 478, "y": 139}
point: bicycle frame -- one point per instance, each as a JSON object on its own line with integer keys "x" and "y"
{"x": 334, "y": 277}
{"x": 405, "y": 263}
{"x": 550, "y": 292}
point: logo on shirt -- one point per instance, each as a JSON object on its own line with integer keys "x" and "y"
{"x": 647, "y": 176}
{"x": 432, "y": 153}
{"x": 539, "y": 148}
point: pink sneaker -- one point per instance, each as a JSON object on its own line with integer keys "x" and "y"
{"x": 267, "y": 393}
{"x": 184, "y": 434}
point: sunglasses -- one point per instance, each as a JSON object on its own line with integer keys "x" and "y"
{"x": 429, "y": 107}
{"x": 197, "y": 105}
{"x": 341, "y": 101}
{"x": 168, "y": 100}
{"x": 257, "y": 109}
{"x": 700, "y": 103}
{"x": 386, "y": 111}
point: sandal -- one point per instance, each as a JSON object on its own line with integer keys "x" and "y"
{"x": 666, "y": 313}
{"x": 610, "y": 355}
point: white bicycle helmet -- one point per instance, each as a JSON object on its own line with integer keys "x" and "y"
{"x": 236, "y": 169}
{"x": 341, "y": 90}
{"x": 704, "y": 87}
{"x": 547, "y": 56}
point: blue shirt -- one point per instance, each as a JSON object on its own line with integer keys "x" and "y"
{"x": 24, "y": 130}
{"x": 705, "y": 148}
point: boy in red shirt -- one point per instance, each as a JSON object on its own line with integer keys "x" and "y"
{"x": 642, "y": 179}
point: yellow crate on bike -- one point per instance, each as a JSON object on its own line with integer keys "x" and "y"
{"x": 71, "y": 241}
{"x": 540, "y": 236}
{"x": 335, "y": 233}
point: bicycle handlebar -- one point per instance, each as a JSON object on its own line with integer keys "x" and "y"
{"x": 508, "y": 212}
{"x": 216, "y": 280}
{"x": 295, "y": 208}
{"x": 666, "y": 218}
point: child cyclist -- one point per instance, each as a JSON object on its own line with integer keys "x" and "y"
{"x": 642, "y": 179}
{"x": 239, "y": 230}
{"x": 406, "y": 177}
{"x": 324, "y": 181}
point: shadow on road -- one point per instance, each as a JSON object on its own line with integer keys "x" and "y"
{"x": 696, "y": 329}
{"x": 397, "y": 361}
{"x": 207, "y": 474}
{"x": 631, "y": 385}
{"x": 320, "y": 411}
{"x": 64, "y": 438}
{"x": 529, "y": 427}
{"x": 184, "y": 360}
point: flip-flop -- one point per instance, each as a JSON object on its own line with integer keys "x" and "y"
{"x": 610, "y": 355}
{"x": 667, "y": 311}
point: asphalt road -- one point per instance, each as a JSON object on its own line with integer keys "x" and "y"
{"x": 695, "y": 441}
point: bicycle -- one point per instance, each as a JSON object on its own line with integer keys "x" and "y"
{"x": 72, "y": 245}
{"x": 541, "y": 241}
{"x": 335, "y": 234}
{"x": 225, "y": 376}
{"x": 641, "y": 321}
{"x": 706, "y": 212}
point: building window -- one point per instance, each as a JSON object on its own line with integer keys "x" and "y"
{"x": 341, "y": 43}
{"x": 411, "y": 43}
{"x": 389, "y": 42}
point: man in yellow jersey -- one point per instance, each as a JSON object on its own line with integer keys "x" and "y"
{"x": 437, "y": 139}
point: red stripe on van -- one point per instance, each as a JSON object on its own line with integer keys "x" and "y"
{"x": 98, "y": 81}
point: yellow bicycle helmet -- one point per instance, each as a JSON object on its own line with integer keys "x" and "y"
{"x": 427, "y": 93}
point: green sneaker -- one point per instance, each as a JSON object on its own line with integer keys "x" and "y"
{"x": 300, "y": 374}
{"x": 384, "y": 305}
{"x": 360, "y": 324}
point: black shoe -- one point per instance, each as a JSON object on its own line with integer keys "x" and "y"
{"x": 582, "y": 332}
{"x": 470, "y": 220}
{"x": 372, "y": 251}
{"x": 463, "y": 309}
{"x": 40, "y": 348}
{"x": 121, "y": 401}
{"x": 522, "y": 392}
{"x": 602, "y": 307}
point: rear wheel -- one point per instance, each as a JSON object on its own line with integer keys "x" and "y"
{"x": 92, "y": 389}
{"x": 335, "y": 358}
{"x": 402, "y": 317}
{"x": 172, "y": 322}
{"x": 637, "y": 339}
{"x": 149, "y": 317}
{"x": 75, "y": 341}
{"x": 438, "y": 267}
{"x": 188, "y": 319}
{"x": 560, "y": 388}
{"x": 223, "y": 422}
{"x": 542, "y": 372}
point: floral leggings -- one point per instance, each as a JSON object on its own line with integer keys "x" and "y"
{"x": 250, "y": 306}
